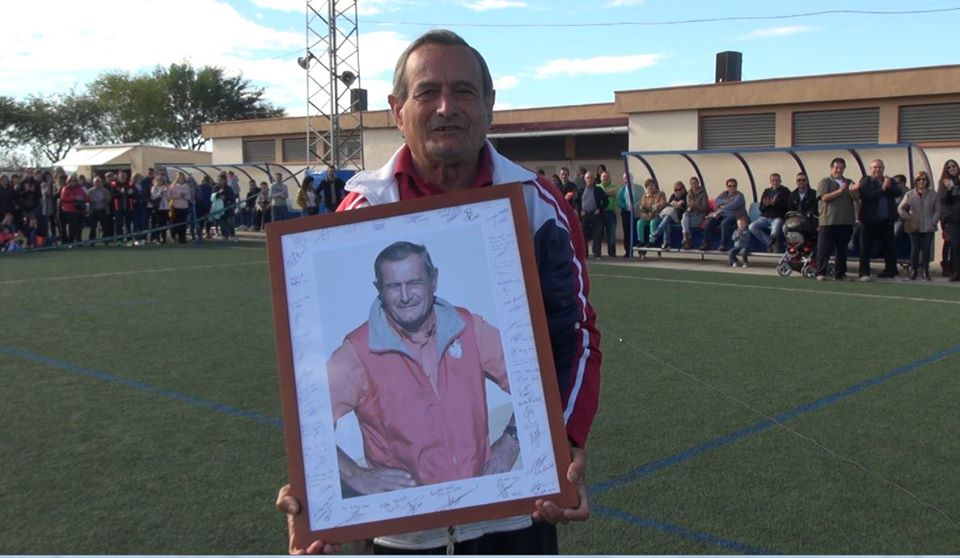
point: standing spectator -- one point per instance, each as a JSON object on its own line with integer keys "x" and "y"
{"x": 803, "y": 199}
{"x": 203, "y": 201}
{"x": 836, "y": 220}
{"x": 250, "y": 205}
{"x": 28, "y": 197}
{"x": 901, "y": 182}
{"x": 8, "y": 196}
{"x": 123, "y": 202}
{"x": 920, "y": 211}
{"x": 609, "y": 214}
{"x": 332, "y": 189}
{"x": 878, "y": 210}
{"x": 673, "y": 213}
{"x": 100, "y": 199}
{"x": 626, "y": 202}
{"x": 141, "y": 207}
{"x": 234, "y": 181}
{"x": 73, "y": 205}
{"x": 697, "y": 207}
{"x": 590, "y": 203}
{"x": 179, "y": 193}
{"x": 278, "y": 198}
{"x": 264, "y": 212}
{"x": 160, "y": 193}
{"x": 226, "y": 195}
{"x": 307, "y": 197}
{"x": 774, "y": 202}
{"x": 48, "y": 206}
{"x": 567, "y": 188}
{"x": 648, "y": 213}
{"x": 741, "y": 242}
{"x": 948, "y": 194}
{"x": 729, "y": 205}
{"x": 581, "y": 180}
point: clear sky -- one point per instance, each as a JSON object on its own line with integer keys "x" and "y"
{"x": 541, "y": 52}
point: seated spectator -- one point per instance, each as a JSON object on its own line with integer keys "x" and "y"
{"x": 33, "y": 233}
{"x": 648, "y": 214}
{"x": 264, "y": 213}
{"x": 307, "y": 198}
{"x": 741, "y": 242}
{"x": 919, "y": 210}
{"x": 803, "y": 200}
{"x": 698, "y": 205}
{"x": 774, "y": 202}
{"x": 901, "y": 182}
{"x": 729, "y": 205}
{"x": 670, "y": 214}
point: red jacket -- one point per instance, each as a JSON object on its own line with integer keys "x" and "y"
{"x": 71, "y": 194}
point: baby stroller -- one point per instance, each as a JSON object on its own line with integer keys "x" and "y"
{"x": 800, "y": 255}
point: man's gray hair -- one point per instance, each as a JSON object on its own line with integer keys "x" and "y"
{"x": 399, "y": 251}
{"x": 437, "y": 37}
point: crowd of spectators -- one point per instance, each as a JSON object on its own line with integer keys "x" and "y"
{"x": 873, "y": 212}
{"x": 51, "y": 207}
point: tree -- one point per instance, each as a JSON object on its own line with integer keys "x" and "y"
{"x": 172, "y": 103}
{"x": 197, "y": 96}
{"x": 50, "y": 127}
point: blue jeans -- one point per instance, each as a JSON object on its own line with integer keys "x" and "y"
{"x": 763, "y": 224}
{"x": 278, "y": 212}
{"x": 663, "y": 230}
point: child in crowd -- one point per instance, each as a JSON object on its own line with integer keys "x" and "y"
{"x": 741, "y": 242}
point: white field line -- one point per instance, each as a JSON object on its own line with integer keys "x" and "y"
{"x": 137, "y": 272}
{"x": 781, "y": 289}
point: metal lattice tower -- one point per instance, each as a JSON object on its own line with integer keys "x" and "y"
{"x": 335, "y": 101}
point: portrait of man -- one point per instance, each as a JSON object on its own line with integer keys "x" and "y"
{"x": 414, "y": 373}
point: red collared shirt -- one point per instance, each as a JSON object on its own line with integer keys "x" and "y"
{"x": 413, "y": 186}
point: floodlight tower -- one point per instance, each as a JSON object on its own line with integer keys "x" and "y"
{"x": 332, "y": 62}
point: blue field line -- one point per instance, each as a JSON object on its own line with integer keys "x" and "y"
{"x": 188, "y": 399}
{"x": 806, "y": 408}
{"x": 682, "y": 532}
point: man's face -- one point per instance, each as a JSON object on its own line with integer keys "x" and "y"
{"x": 331, "y": 173}
{"x": 564, "y": 175}
{"x": 774, "y": 180}
{"x": 588, "y": 178}
{"x": 876, "y": 169}
{"x": 445, "y": 118}
{"x": 802, "y": 182}
{"x": 605, "y": 177}
{"x": 731, "y": 187}
{"x": 406, "y": 291}
{"x": 836, "y": 169}
{"x": 278, "y": 177}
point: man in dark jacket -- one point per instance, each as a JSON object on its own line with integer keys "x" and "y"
{"x": 332, "y": 189}
{"x": 803, "y": 200}
{"x": 878, "y": 211}
{"x": 590, "y": 203}
{"x": 773, "y": 208}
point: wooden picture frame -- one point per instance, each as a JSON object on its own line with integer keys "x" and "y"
{"x": 322, "y": 282}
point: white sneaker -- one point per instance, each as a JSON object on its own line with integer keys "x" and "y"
{"x": 745, "y": 265}
{"x": 865, "y": 279}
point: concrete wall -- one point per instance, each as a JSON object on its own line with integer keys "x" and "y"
{"x": 227, "y": 150}
{"x": 660, "y": 131}
{"x": 379, "y": 145}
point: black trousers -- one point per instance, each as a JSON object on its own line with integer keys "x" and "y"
{"x": 833, "y": 238}
{"x": 539, "y": 538}
{"x": 593, "y": 231}
{"x": 628, "y": 227}
{"x": 953, "y": 231}
{"x": 870, "y": 235}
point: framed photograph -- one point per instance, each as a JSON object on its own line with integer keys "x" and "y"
{"x": 417, "y": 380}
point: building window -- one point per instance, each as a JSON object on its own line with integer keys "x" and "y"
{"x": 940, "y": 122}
{"x": 259, "y": 151}
{"x": 295, "y": 149}
{"x": 836, "y": 126}
{"x": 738, "y": 130}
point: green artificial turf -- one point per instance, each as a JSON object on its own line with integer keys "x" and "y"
{"x": 113, "y": 359}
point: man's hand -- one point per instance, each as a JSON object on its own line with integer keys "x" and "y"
{"x": 378, "y": 479}
{"x": 289, "y": 505}
{"x": 503, "y": 454}
{"x": 576, "y": 474}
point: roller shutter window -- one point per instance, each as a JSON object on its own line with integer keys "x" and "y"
{"x": 940, "y": 122}
{"x": 738, "y": 130}
{"x": 295, "y": 149}
{"x": 826, "y": 127}
{"x": 259, "y": 151}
